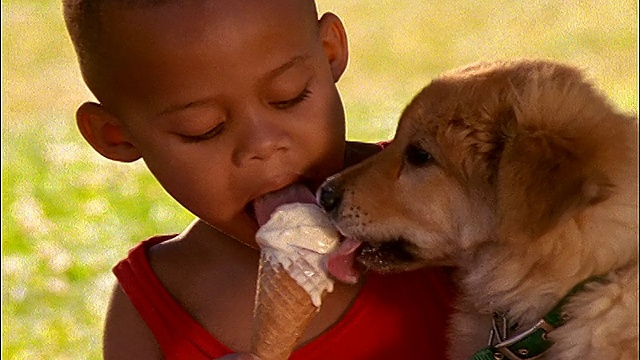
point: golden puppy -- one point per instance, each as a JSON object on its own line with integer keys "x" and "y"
{"x": 525, "y": 178}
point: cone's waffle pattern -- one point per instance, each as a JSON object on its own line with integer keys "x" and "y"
{"x": 283, "y": 310}
{"x": 303, "y": 268}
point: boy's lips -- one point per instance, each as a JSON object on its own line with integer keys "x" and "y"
{"x": 295, "y": 193}
{"x": 277, "y": 187}
{"x": 270, "y": 186}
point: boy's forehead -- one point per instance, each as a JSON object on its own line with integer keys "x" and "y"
{"x": 158, "y": 34}
{"x": 225, "y": 9}
{"x": 242, "y": 5}
{"x": 228, "y": 18}
{"x": 222, "y": 23}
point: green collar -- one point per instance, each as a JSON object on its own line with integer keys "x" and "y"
{"x": 532, "y": 342}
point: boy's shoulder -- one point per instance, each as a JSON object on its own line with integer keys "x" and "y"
{"x": 202, "y": 269}
{"x": 203, "y": 274}
{"x": 200, "y": 254}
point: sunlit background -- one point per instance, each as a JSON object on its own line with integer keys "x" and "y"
{"x": 68, "y": 215}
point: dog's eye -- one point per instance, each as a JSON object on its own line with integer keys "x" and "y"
{"x": 417, "y": 156}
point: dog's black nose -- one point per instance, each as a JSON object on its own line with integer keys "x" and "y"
{"x": 329, "y": 197}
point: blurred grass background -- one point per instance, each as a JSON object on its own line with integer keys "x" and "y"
{"x": 68, "y": 215}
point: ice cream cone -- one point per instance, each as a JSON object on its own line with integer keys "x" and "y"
{"x": 294, "y": 236}
{"x": 283, "y": 310}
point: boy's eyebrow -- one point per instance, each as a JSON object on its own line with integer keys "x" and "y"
{"x": 286, "y": 66}
{"x": 179, "y": 107}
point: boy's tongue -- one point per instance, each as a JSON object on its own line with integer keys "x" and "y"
{"x": 341, "y": 261}
{"x": 265, "y": 205}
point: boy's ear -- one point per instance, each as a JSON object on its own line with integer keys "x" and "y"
{"x": 334, "y": 42}
{"x": 104, "y": 133}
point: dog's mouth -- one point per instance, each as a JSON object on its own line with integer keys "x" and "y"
{"x": 347, "y": 262}
{"x": 388, "y": 256}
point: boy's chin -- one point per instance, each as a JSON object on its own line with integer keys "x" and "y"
{"x": 245, "y": 232}
{"x": 250, "y": 213}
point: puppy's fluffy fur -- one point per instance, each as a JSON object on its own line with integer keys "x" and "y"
{"x": 524, "y": 177}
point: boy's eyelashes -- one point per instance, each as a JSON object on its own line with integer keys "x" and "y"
{"x": 205, "y": 136}
{"x": 286, "y": 104}
{"x": 280, "y": 105}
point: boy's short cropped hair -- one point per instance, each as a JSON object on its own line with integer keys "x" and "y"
{"x": 85, "y": 26}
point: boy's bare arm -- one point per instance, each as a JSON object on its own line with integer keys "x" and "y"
{"x": 126, "y": 335}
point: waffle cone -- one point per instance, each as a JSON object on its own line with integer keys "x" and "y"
{"x": 282, "y": 312}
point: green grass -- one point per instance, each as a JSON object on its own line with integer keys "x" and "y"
{"x": 68, "y": 215}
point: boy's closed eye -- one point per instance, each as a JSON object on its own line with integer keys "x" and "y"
{"x": 219, "y": 127}
{"x": 286, "y": 104}
{"x": 196, "y": 123}
{"x": 205, "y": 136}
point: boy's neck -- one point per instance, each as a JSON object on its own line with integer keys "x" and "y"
{"x": 201, "y": 231}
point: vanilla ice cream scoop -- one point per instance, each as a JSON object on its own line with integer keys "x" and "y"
{"x": 297, "y": 236}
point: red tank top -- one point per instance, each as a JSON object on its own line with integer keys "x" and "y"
{"x": 399, "y": 316}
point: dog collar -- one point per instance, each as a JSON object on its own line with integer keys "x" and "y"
{"x": 531, "y": 343}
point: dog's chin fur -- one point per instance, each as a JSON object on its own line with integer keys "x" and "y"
{"x": 523, "y": 176}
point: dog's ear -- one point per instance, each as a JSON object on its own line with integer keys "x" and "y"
{"x": 541, "y": 179}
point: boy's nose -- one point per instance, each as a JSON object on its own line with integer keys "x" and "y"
{"x": 260, "y": 140}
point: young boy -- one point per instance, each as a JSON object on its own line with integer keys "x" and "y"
{"x": 226, "y": 101}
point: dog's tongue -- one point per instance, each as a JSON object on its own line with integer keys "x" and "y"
{"x": 265, "y": 205}
{"x": 341, "y": 263}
